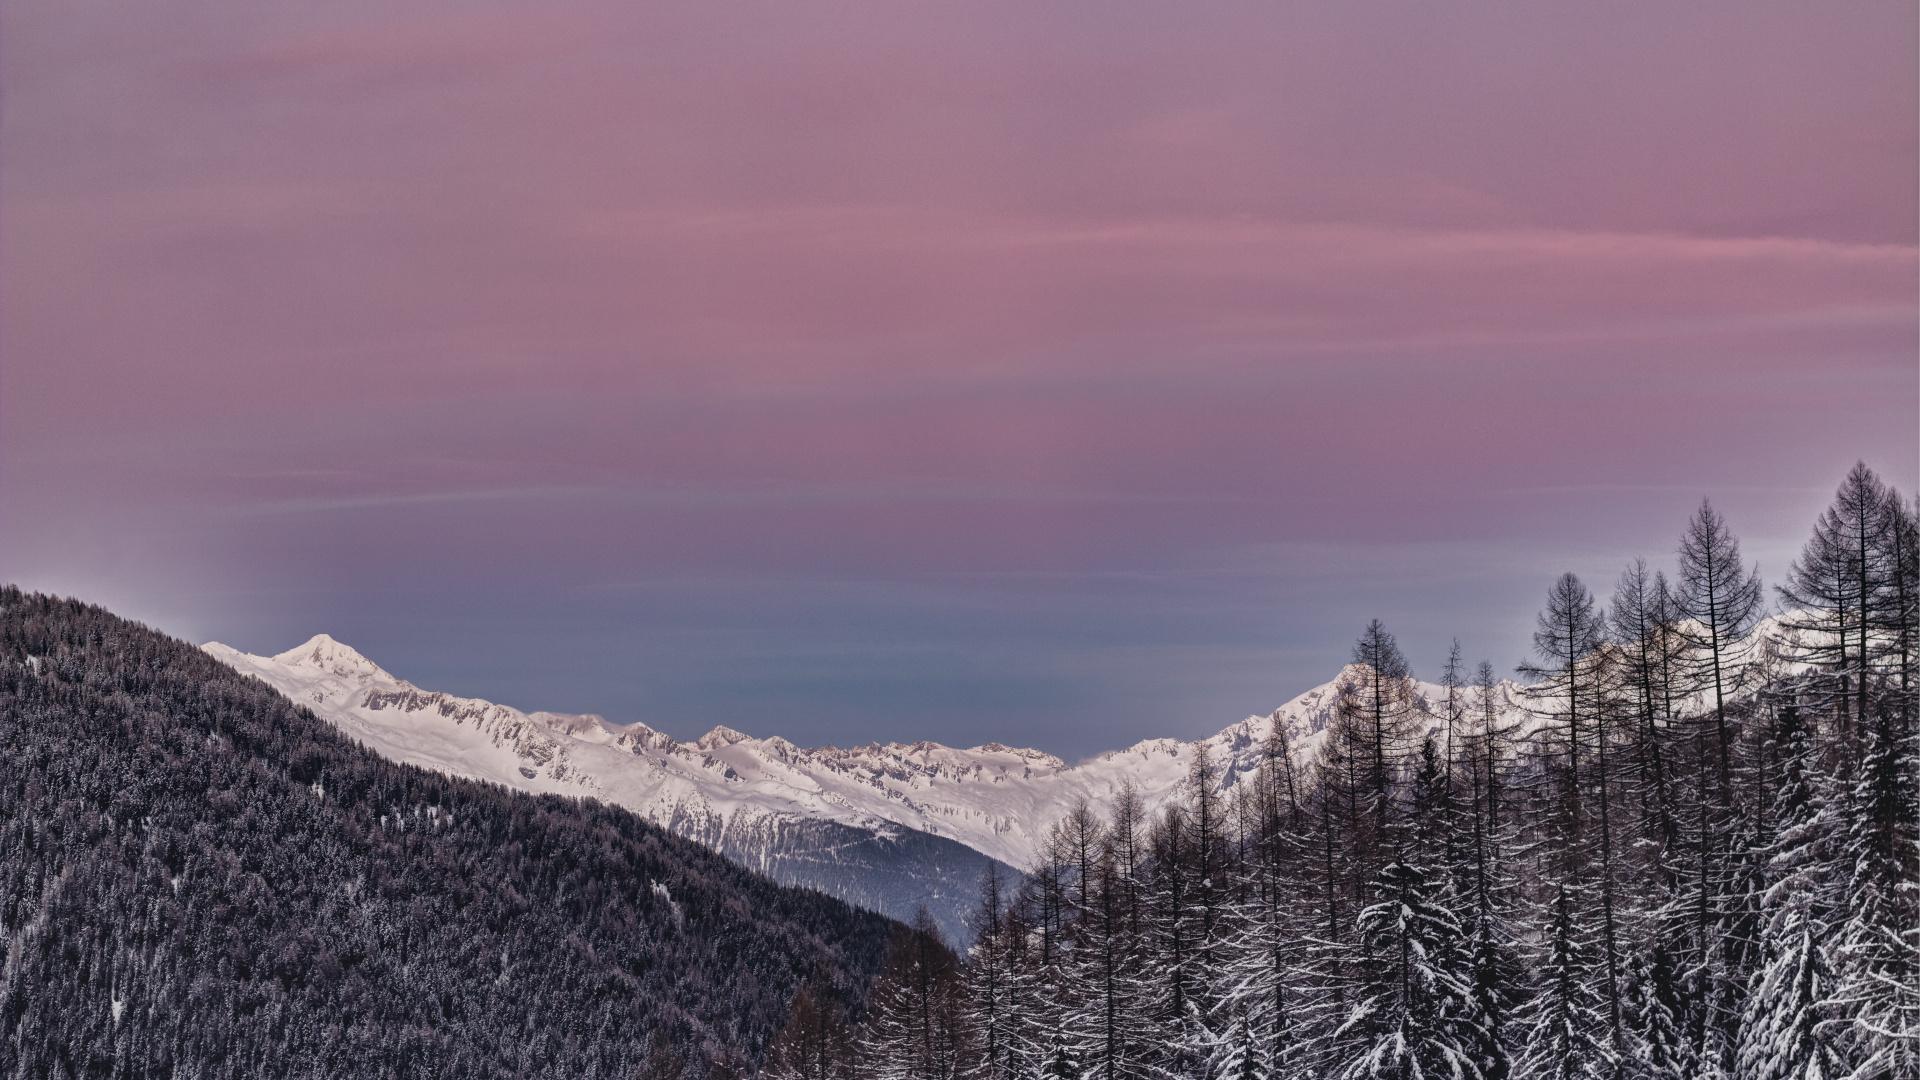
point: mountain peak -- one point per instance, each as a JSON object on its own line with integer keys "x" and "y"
{"x": 720, "y": 736}
{"x": 323, "y": 654}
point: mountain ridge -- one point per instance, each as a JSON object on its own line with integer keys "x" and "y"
{"x": 997, "y": 800}
{"x": 890, "y": 826}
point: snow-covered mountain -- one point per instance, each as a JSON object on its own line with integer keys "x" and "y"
{"x": 889, "y": 826}
{"x": 998, "y": 800}
{"x": 755, "y": 816}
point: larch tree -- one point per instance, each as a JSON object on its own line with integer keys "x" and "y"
{"x": 816, "y": 1043}
{"x": 1641, "y": 630}
{"x": 992, "y": 978}
{"x": 916, "y": 1009}
{"x": 1567, "y": 698}
{"x": 1575, "y": 697}
{"x": 1835, "y": 596}
{"x": 1719, "y": 600}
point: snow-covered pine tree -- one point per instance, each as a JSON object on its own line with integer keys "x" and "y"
{"x": 1877, "y": 946}
{"x": 1690, "y": 927}
{"x": 1353, "y": 819}
{"x": 1051, "y": 920}
{"x": 1428, "y": 843}
{"x": 1657, "y": 1047}
{"x": 1059, "y": 1063}
{"x": 1083, "y": 977}
{"x": 1128, "y": 854}
{"x": 1719, "y": 600}
{"x": 1787, "y": 1033}
{"x": 1384, "y": 721}
{"x": 1564, "y": 1028}
{"x": 1206, "y": 820}
{"x": 1489, "y": 895}
{"x": 1105, "y": 978}
{"x": 1495, "y": 974}
{"x": 1420, "y": 1018}
{"x": 1330, "y": 956}
{"x": 1451, "y": 808}
{"x": 992, "y": 986}
{"x": 1566, "y": 698}
{"x": 1900, "y": 619}
{"x": 1030, "y": 1003}
{"x": 1243, "y": 1058}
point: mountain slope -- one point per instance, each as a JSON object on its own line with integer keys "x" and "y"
{"x": 199, "y": 878}
{"x": 760, "y": 802}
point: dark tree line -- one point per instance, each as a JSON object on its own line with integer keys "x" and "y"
{"x": 198, "y": 879}
{"x": 1686, "y": 849}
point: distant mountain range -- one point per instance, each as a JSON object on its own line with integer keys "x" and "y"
{"x": 890, "y": 827}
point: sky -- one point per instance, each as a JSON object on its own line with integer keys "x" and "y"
{"x": 1051, "y": 373}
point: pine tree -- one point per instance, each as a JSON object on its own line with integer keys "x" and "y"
{"x": 1451, "y": 808}
{"x": 1566, "y": 1022}
{"x": 1060, "y": 1063}
{"x": 1899, "y": 620}
{"x": 1264, "y": 939}
{"x": 1332, "y": 958}
{"x": 1243, "y": 1059}
{"x": 1207, "y": 823}
{"x": 1656, "y": 1034}
{"x": 1877, "y": 949}
{"x": 1420, "y": 1018}
{"x": 1174, "y": 920}
{"x": 1105, "y": 976}
{"x": 1786, "y": 1033}
{"x": 1719, "y": 600}
{"x": 1576, "y": 696}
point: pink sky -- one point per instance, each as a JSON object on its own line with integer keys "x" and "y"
{"x": 926, "y": 368}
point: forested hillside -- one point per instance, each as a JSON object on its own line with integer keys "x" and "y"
{"x": 199, "y": 879}
{"x": 1693, "y": 856}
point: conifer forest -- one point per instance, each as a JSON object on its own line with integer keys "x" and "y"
{"x": 1690, "y": 853}
{"x": 1683, "y": 846}
{"x": 200, "y": 879}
